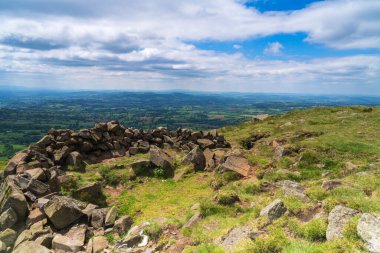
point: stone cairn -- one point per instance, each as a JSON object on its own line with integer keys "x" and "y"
{"x": 35, "y": 217}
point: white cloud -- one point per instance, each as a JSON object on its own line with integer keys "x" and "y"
{"x": 274, "y": 48}
{"x": 147, "y": 41}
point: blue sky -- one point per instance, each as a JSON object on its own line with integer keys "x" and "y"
{"x": 297, "y": 46}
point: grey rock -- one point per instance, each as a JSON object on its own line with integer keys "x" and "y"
{"x": 99, "y": 244}
{"x": 98, "y": 216}
{"x": 274, "y": 210}
{"x": 160, "y": 158}
{"x": 8, "y": 218}
{"x": 234, "y": 237}
{"x": 66, "y": 244}
{"x": 194, "y": 219}
{"x": 62, "y": 211}
{"x": 12, "y": 196}
{"x": 196, "y": 159}
{"x": 330, "y": 184}
{"x": 369, "y": 231}
{"x": 338, "y": 219}
{"x": 8, "y": 237}
{"x": 110, "y": 216}
{"x": 240, "y": 165}
{"x": 122, "y": 225}
{"x": 292, "y": 188}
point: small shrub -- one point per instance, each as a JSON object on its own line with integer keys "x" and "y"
{"x": 109, "y": 176}
{"x": 159, "y": 172}
{"x": 308, "y": 158}
{"x": 69, "y": 184}
{"x": 350, "y": 230}
{"x": 267, "y": 245}
{"x": 204, "y": 248}
{"x": 208, "y": 209}
{"x": 110, "y": 238}
{"x": 227, "y": 198}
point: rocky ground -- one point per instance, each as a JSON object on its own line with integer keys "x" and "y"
{"x": 307, "y": 181}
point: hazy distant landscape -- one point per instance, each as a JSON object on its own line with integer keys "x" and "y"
{"x": 26, "y": 115}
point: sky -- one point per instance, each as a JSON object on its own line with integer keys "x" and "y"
{"x": 287, "y": 46}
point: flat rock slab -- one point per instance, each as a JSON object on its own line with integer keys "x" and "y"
{"x": 369, "y": 231}
{"x": 234, "y": 236}
{"x": 240, "y": 165}
{"x": 338, "y": 219}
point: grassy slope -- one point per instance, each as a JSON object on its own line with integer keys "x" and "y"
{"x": 348, "y": 134}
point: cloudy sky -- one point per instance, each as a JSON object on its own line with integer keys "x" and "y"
{"x": 303, "y": 46}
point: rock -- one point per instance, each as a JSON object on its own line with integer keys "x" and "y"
{"x": 38, "y": 188}
{"x": 292, "y": 188}
{"x": 122, "y": 225}
{"x": 31, "y": 247}
{"x": 35, "y": 215}
{"x": 8, "y": 237}
{"x": 274, "y": 210}
{"x": 205, "y": 143}
{"x": 238, "y": 164}
{"x": 12, "y": 196}
{"x": 349, "y": 167}
{"x": 25, "y": 235}
{"x": 62, "y": 211}
{"x": 67, "y": 244}
{"x": 330, "y": 184}
{"x": 78, "y": 233}
{"x": 196, "y": 159}
{"x": 110, "y": 217}
{"x": 45, "y": 240}
{"x": 38, "y": 174}
{"x": 11, "y": 167}
{"x": 97, "y": 218}
{"x": 160, "y": 158}
{"x": 3, "y": 247}
{"x": 338, "y": 219}
{"x": 99, "y": 244}
{"x": 7, "y": 219}
{"x": 210, "y": 159}
{"x": 91, "y": 193}
{"x": 234, "y": 237}
{"x": 75, "y": 160}
{"x": 141, "y": 166}
{"x": 369, "y": 231}
{"x": 194, "y": 219}
{"x": 278, "y": 153}
{"x": 260, "y": 117}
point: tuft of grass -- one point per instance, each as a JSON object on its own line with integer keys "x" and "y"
{"x": 204, "y": 248}
{"x": 313, "y": 231}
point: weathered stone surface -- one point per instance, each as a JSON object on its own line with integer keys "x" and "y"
{"x": 292, "y": 188}
{"x": 205, "y": 143}
{"x": 99, "y": 244}
{"x": 122, "y": 225}
{"x": 75, "y": 160}
{"x": 78, "y": 233}
{"x": 331, "y": 184}
{"x": 338, "y": 219}
{"x": 196, "y": 159}
{"x": 62, "y": 211}
{"x": 194, "y": 219}
{"x": 98, "y": 217}
{"x": 210, "y": 159}
{"x": 278, "y": 153}
{"x": 160, "y": 158}
{"x": 31, "y": 247}
{"x": 238, "y": 164}
{"x": 34, "y": 216}
{"x": 91, "y": 193}
{"x": 8, "y": 218}
{"x": 369, "y": 231}
{"x": 141, "y": 165}
{"x": 110, "y": 216}
{"x": 274, "y": 210}
{"x": 45, "y": 240}
{"x": 38, "y": 174}
{"x": 8, "y": 236}
{"x": 38, "y": 188}
{"x": 11, "y": 167}
{"x": 12, "y": 196}
{"x": 234, "y": 237}
{"x": 67, "y": 244}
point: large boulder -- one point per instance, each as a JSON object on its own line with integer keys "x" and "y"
{"x": 11, "y": 167}
{"x": 338, "y": 219}
{"x": 196, "y": 159}
{"x": 274, "y": 210}
{"x": 240, "y": 165}
{"x": 122, "y": 225}
{"x": 369, "y": 231}
{"x": 31, "y": 247}
{"x": 62, "y": 211}
{"x": 160, "y": 158}
{"x": 91, "y": 193}
{"x": 11, "y": 196}
{"x": 75, "y": 160}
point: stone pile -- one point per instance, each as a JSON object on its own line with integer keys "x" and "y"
{"x": 34, "y": 217}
